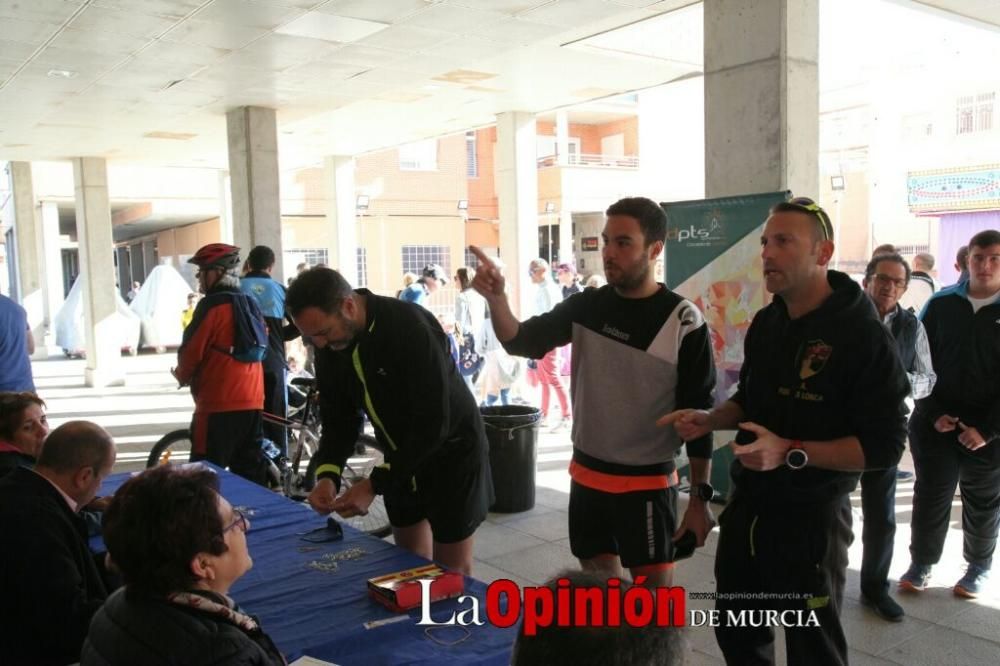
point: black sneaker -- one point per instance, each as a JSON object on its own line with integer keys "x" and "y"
{"x": 884, "y": 606}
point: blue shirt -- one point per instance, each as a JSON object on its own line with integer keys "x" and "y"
{"x": 415, "y": 293}
{"x": 15, "y": 366}
{"x": 269, "y": 294}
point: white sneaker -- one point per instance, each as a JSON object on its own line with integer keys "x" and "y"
{"x": 565, "y": 423}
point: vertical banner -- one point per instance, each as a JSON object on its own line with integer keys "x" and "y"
{"x": 712, "y": 258}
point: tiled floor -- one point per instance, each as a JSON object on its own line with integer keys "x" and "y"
{"x": 530, "y": 547}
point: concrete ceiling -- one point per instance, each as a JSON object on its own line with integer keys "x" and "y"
{"x": 985, "y": 11}
{"x": 150, "y": 80}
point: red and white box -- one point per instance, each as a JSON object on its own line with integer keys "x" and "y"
{"x": 402, "y": 590}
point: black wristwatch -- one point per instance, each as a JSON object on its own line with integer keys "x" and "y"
{"x": 703, "y": 491}
{"x": 796, "y": 457}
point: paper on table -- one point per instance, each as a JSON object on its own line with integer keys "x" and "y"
{"x": 311, "y": 661}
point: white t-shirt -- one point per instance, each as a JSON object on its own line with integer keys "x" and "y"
{"x": 977, "y": 303}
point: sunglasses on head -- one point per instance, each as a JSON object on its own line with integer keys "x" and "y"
{"x": 807, "y": 205}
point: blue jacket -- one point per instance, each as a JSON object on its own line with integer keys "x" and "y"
{"x": 415, "y": 293}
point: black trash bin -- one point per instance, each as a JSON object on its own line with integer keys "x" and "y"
{"x": 512, "y": 431}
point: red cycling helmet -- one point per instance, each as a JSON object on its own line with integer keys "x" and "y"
{"x": 217, "y": 255}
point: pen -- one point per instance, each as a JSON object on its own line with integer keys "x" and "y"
{"x": 372, "y": 624}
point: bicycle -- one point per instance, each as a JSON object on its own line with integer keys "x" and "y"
{"x": 304, "y": 425}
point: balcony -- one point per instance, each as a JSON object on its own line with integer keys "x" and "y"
{"x": 591, "y": 160}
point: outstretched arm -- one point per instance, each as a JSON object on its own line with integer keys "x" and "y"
{"x": 490, "y": 283}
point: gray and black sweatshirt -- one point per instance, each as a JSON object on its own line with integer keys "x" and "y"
{"x": 634, "y": 360}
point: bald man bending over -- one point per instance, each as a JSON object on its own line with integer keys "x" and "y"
{"x": 49, "y": 578}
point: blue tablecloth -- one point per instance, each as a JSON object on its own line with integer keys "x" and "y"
{"x": 321, "y": 614}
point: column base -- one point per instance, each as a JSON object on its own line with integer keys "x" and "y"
{"x": 99, "y": 377}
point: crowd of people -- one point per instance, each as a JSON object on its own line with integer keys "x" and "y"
{"x": 490, "y": 373}
{"x": 821, "y": 402}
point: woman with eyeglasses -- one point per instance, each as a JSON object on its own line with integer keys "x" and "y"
{"x": 23, "y": 429}
{"x": 179, "y": 546}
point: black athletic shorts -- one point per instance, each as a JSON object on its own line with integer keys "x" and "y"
{"x": 230, "y": 439}
{"x": 637, "y": 526}
{"x": 454, "y": 493}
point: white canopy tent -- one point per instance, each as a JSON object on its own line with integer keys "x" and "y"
{"x": 70, "y": 326}
{"x": 159, "y": 304}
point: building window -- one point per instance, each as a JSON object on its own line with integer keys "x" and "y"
{"x": 415, "y": 257}
{"x": 471, "y": 161}
{"x": 907, "y": 250}
{"x": 362, "y": 268}
{"x": 984, "y": 112}
{"x": 472, "y": 262}
{"x": 964, "y": 115}
{"x": 312, "y": 256}
{"x": 419, "y": 156}
{"x": 974, "y": 113}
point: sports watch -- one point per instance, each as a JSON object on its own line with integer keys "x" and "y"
{"x": 703, "y": 491}
{"x": 796, "y": 456}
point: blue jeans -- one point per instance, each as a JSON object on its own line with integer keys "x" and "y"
{"x": 504, "y": 398}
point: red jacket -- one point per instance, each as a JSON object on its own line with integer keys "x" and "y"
{"x": 219, "y": 383}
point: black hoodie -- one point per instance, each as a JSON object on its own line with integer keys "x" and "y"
{"x": 831, "y": 373}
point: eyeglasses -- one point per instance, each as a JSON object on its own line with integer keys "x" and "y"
{"x": 240, "y": 520}
{"x": 884, "y": 279}
{"x": 814, "y": 209}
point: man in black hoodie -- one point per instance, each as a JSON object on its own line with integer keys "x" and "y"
{"x": 820, "y": 399}
{"x": 392, "y": 360}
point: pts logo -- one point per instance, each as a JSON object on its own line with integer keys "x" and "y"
{"x": 689, "y": 234}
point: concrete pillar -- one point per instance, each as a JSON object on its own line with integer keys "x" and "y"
{"x": 517, "y": 195}
{"x": 52, "y": 275}
{"x": 29, "y": 248}
{"x": 253, "y": 170}
{"x": 341, "y": 215}
{"x": 565, "y": 234}
{"x": 93, "y": 231}
{"x": 226, "y": 208}
{"x": 761, "y": 97}
{"x": 565, "y": 215}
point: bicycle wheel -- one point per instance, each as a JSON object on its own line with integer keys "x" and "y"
{"x": 174, "y": 448}
{"x": 376, "y": 521}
